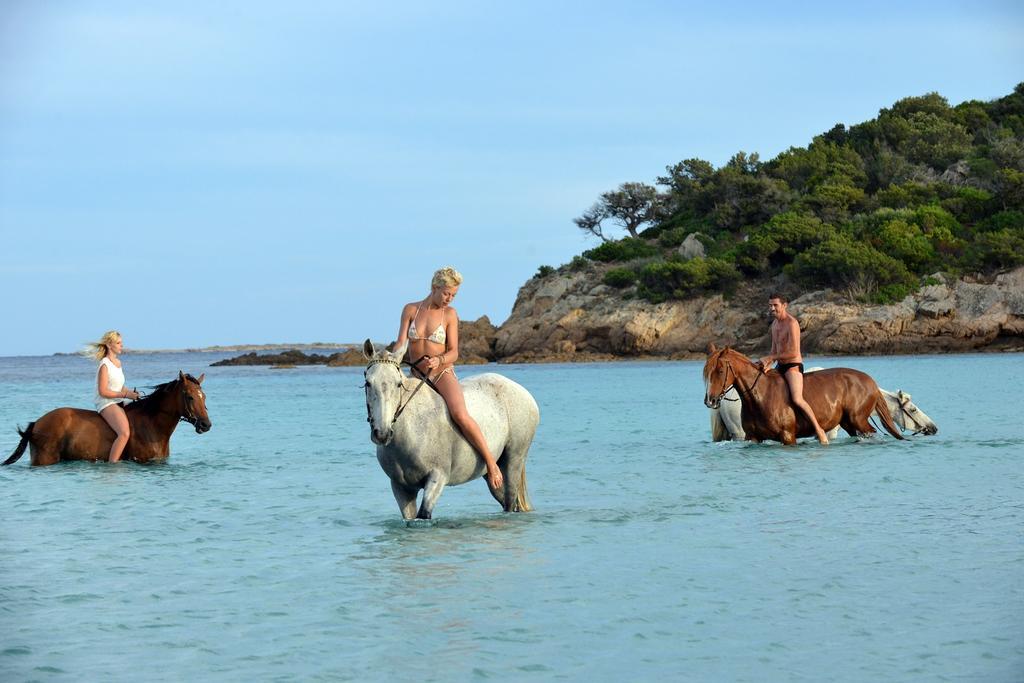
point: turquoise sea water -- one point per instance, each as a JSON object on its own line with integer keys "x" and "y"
{"x": 271, "y": 548}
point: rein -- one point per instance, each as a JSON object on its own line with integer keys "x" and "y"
{"x": 424, "y": 379}
{"x": 735, "y": 383}
{"x": 189, "y": 416}
{"x": 903, "y": 409}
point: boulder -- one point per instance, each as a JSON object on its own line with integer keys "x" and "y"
{"x": 692, "y": 247}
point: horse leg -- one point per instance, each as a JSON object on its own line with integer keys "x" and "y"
{"x": 855, "y": 427}
{"x": 499, "y": 493}
{"x": 47, "y": 444}
{"x": 863, "y": 425}
{"x": 513, "y": 497}
{"x": 436, "y": 482}
{"x": 41, "y": 457}
{"x": 406, "y": 500}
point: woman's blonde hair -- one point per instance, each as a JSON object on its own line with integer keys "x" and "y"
{"x": 98, "y": 349}
{"x": 446, "y": 277}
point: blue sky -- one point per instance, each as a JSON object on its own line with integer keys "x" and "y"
{"x": 196, "y": 173}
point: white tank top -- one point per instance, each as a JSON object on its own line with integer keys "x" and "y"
{"x": 115, "y": 382}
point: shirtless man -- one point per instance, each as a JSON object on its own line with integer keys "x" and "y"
{"x": 786, "y": 353}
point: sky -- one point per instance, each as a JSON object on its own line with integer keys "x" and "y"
{"x": 197, "y": 173}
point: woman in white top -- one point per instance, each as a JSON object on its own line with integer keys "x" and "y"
{"x": 110, "y": 390}
{"x": 432, "y": 328}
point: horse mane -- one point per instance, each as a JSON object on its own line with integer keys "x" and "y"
{"x": 150, "y": 405}
{"x": 717, "y": 355}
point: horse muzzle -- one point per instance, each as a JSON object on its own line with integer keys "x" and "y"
{"x": 380, "y": 437}
{"x": 713, "y": 403}
{"x": 203, "y": 426}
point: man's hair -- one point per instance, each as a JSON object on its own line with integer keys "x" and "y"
{"x": 780, "y": 297}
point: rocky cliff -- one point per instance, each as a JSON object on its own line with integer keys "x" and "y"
{"x": 571, "y": 315}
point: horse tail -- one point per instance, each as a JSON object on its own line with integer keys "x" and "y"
{"x": 522, "y": 498}
{"x": 26, "y": 437}
{"x": 882, "y": 408}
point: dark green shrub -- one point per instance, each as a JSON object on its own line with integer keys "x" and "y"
{"x": 578, "y": 263}
{"x": 906, "y": 242}
{"x": 1004, "y": 220}
{"x": 679, "y": 279}
{"x": 932, "y": 218}
{"x": 907, "y": 195}
{"x": 995, "y": 250}
{"x": 621, "y": 250}
{"x": 620, "y": 277}
{"x": 778, "y": 241}
{"x": 751, "y": 257}
{"x": 673, "y": 237}
{"x": 890, "y": 294}
{"x": 544, "y": 271}
{"x": 969, "y": 204}
{"x": 842, "y": 262}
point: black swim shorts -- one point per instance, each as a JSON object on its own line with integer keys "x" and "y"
{"x": 783, "y": 368}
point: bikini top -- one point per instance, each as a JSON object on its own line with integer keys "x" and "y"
{"x": 438, "y": 337}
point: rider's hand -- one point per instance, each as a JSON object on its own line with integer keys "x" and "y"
{"x": 494, "y": 478}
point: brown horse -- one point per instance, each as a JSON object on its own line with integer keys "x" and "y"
{"x": 76, "y": 434}
{"x": 839, "y": 396}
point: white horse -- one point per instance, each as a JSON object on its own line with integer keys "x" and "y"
{"x": 726, "y": 423}
{"x": 419, "y": 447}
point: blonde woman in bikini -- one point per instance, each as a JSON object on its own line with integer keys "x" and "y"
{"x": 110, "y": 390}
{"x": 431, "y": 327}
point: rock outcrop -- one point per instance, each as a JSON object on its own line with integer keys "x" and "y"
{"x": 569, "y": 314}
{"x": 573, "y": 316}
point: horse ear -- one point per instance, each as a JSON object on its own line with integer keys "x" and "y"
{"x": 399, "y": 353}
{"x": 368, "y": 349}
{"x": 181, "y": 375}
{"x": 712, "y": 348}
{"x": 201, "y": 378}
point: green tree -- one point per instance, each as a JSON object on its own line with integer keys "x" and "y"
{"x": 630, "y": 206}
{"x": 923, "y": 130}
{"x": 740, "y": 194}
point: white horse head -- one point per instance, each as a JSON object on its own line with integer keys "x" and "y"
{"x": 384, "y": 382}
{"x": 908, "y": 415}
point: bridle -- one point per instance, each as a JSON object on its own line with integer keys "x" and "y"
{"x": 735, "y": 377}
{"x": 902, "y": 403}
{"x": 424, "y": 379}
{"x": 189, "y": 415}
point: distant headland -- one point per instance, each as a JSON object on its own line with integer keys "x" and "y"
{"x": 236, "y": 348}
